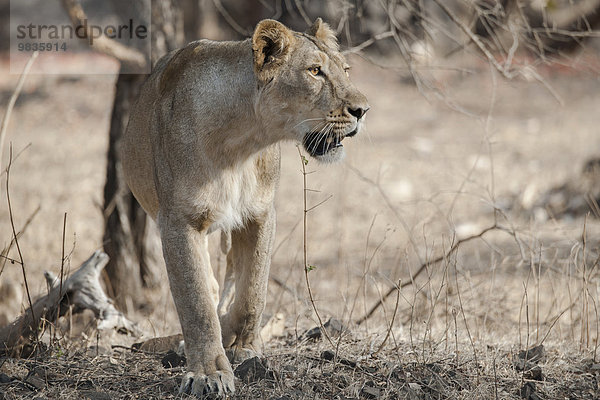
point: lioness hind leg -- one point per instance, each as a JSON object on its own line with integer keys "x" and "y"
{"x": 250, "y": 259}
{"x": 214, "y": 284}
{"x": 191, "y": 280}
{"x": 228, "y": 287}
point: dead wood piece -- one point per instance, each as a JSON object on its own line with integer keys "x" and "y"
{"x": 80, "y": 291}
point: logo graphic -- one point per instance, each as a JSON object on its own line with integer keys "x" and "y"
{"x": 98, "y": 37}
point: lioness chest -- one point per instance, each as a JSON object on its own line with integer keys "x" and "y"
{"x": 237, "y": 194}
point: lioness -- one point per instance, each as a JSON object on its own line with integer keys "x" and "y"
{"x": 201, "y": 152}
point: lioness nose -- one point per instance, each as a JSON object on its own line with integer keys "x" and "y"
{"x": 357, "y": 112}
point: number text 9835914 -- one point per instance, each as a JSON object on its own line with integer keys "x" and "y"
{"x": 43, "y": 46}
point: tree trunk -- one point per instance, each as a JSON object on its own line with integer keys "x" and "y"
{"x": 121, "y": 209}
{"x": 130, "y": 239}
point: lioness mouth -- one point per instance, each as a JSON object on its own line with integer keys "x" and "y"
{"x": 318, "y": 144}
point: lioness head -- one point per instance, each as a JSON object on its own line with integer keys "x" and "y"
{"x": 305, "y": 87}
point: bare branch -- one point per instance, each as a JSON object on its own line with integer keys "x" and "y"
{"x": 230, "y": 20}
{"x": 103, "y": 44}
{"x": 475, "y": 38}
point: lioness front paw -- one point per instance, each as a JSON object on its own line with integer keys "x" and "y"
{"x": 215, "y": 385}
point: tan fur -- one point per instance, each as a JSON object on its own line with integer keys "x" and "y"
{"x": 201, "y": 152}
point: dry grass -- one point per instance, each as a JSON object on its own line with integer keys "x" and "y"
{"x": 302, "y": 371}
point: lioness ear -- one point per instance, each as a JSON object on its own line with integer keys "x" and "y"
{"x": 324, "y": 33}
{"x": 271, "y": 43}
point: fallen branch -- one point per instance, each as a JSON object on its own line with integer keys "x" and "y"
{"x": 81, "y": 290}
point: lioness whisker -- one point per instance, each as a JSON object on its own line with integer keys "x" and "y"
{"x": 315, "y": 131}
{"x": 307, "y": 120}
{"x": 321, "y": 135}
{"x": 311, "y": 146}
{"x": 328, "y": 143}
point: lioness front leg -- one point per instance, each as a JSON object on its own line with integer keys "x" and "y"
{"x": 251, "y": 258}
{"x": 190, "y": 278}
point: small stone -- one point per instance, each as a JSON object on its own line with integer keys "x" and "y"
{"x": 349, "y": 363}
{"x": 254, "y": 369}
{"x": 313, "y": 333}
{"x": 534, "y": 373}
{"x": 172, "y": 360}
{"x": 532, "y": 370}
{"x": 528, "y": 392}
{"x": 328, "y": 355}
{"x": 36, "y": 382}
{"x": 333, "y": 326}
{"x": 534, "y": 354}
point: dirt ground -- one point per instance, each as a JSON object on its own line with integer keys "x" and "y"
{"x": 429, "y": 170}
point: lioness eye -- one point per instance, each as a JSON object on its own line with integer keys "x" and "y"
{"x": 347, "y": 71}
{"x": 315, "y": 71}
